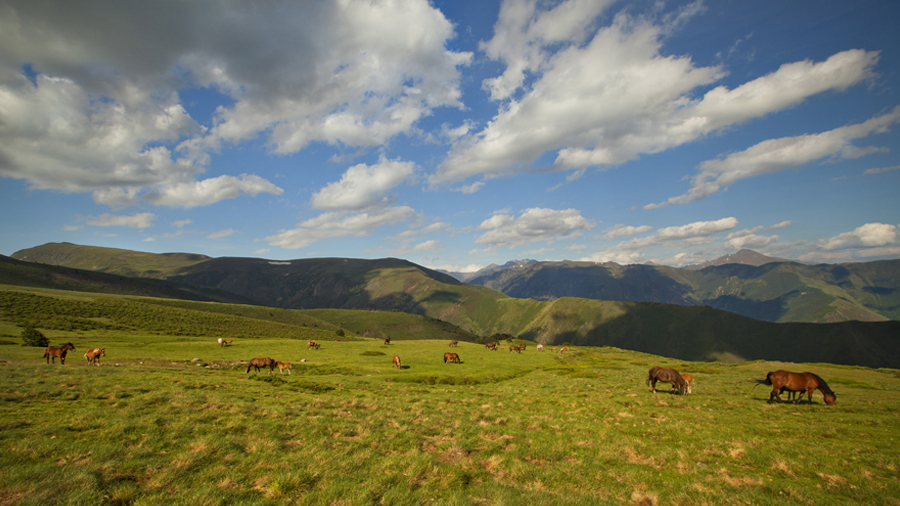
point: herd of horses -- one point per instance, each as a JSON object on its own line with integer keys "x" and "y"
{"x": 781, "y": 381}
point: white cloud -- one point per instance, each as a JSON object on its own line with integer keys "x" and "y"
{"x": 775, "y": 155}
{"x": 881, "y": 170}
{"x": 181, "y": 223}
{"x": 105, "y": 116}
{"x": 535, "y": 224}
{"x": 750, "y": 241}
{"x": 867, "y": 236}
{"x": 608, "y": 98}
{"x": 783, "y": 224}
{"x": 458, "y": 268}
{"x": 434, "y": 227}
{"x": 139, "y": 220}
{"x": 220, "y": 234}
{"x": 209, "y": 191}
{"x": 622, "y": 230}
{"x": 422, "y": 247}
{"x": 339, "y": 224}
{"x": 363, "y": 186}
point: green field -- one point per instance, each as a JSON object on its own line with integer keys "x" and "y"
{"x": 152, "y": 426}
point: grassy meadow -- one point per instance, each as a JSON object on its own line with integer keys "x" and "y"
{"x": 152, "y": 425}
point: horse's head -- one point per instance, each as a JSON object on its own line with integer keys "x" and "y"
{"x": 830, "y": 399}
{"x": 69, "y": 346}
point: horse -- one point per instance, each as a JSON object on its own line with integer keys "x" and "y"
{"x": 491, "y": 346}
{"x": 58, "y": 351}
{"x": 666, "y": 375}
{"x": 387, "y": 340}
{"x": 397, "y": 362}
{"x": 312, "y": 344}
{"x": 522, "y": 346}
{"x": 540, "y": 347}
{"x": 451, "y": 357}
{"x": 515, "y": 348}
{"x": 93, "y": 355}
{"x": 797, "y": 382}
{"x": 283, "y": 366}
{"x": 687, "y": 379}
{"x": 227, "y": 342}
{"x": 221, "y": 342}
{"x": 453, "y": 343}
{"x": 261, "y": 363}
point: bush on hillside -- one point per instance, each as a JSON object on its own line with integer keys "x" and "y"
{"x": 34, "y": 337}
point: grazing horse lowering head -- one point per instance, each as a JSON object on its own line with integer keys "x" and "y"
{"x": 397, "y": 364}
{"x": 258, "y": 363}
{"x": 687, "y": 379}
{"x": 451, "y": 357}
{"x": 797, "y": 382}
{"x": 58, "y": 351}
{"x": 666, "y": 375}
{"x": 453, "y": 343}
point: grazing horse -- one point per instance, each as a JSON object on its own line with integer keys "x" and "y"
{"x": 522, "y": 346}
{"x": 283, "y": 366}
{"x": 515, "y": 348}
{"x": 387, "y": 340}
{"x": 58, "y": 351}
{"x": 451, "y": 357}
{"x": 453, "y": 343}
{"x": 687, "y": 379}
{"x": 312, "y": 344}
{"x": 666, "y": 375}
{"x": 93, "y": 355}
{"x": 221, "y": 342}
{"x": 262, "y": 363}
{"x": 491, "y": 346}
{"x": 397, "y": 362}
{"x": 540, "y": 347}
{"x": 797, "y": 382}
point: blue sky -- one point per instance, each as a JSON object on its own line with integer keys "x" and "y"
{"x": 454, "y": 134}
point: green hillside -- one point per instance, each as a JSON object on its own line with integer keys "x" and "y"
{"x": 134, "y": 264}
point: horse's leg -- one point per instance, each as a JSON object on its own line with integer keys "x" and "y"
{"x": 653, "y": 385}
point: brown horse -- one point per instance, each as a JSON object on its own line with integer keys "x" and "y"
{"x": 397, "y": 362}
{"x": 312, "y": 344}
{"x": 58, "y": 351}
{"x": 687, "y": 379}
{"x": 797, "y": 382}
{"x": 666, "y": 375}
{"x": 283, "y": 366}
{"x": 451, "y": 357}
{"x": 453, "y": 343}
{"x": 93, "y": 355}
{"x": 515, "y": 348}
{"x": 491, "y": 346}
{"x": 262, "y": 363}
{"x": 387, "y": 340}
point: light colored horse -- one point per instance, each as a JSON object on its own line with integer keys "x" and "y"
{"x": 540, "y": 347}
{"x": 397, "y": 362}
{"x": 93, "y": 355}
{"x": 283, "y": 366}
{"x": 687, "y": 379}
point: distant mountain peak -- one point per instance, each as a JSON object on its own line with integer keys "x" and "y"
{"x": 744, "y": 256}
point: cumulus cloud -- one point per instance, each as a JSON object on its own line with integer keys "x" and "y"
{"x": 783, "y": 224}
{"x": 775, "y": 155}
{"x": 209, "y": 191}
{"x": 622, "y": 230}
{"x": 748, "y": 238}
{"x": 605, "y": 95}
{"x": 139, "y": 220}
{"x": 867, "y": 236}
{"x": 535, "y": 224}
{"x": 363, "y": 186}
{"x": 691, "y": 234}
{"x": 881, "y": 170}
{"x": 99, "y": 110}
{"x": 339, "y": 224}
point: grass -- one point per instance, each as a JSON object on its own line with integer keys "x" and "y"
{"x": 152, "y": 426}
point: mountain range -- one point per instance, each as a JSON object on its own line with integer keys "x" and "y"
{"x": 680, "y": 327}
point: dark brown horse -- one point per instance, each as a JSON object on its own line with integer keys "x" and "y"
{"x": 387, "y": 340}
{"x": 453, "y": 343}
{"x": 797, "y": 382}
{"x": 666, "y": 375}
{"x": 491, "y": 346}
{"x": 515, "y": 348}
{"x": 451, "y": 357}
{"x": 58, "y": 351}
{"x": 397, "y": 362}
{"x": 262, "y": 363}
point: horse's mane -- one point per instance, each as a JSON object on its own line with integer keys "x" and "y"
{"x": 825, "y": 388}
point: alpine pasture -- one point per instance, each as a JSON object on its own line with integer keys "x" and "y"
{"x": 172, "y": 417}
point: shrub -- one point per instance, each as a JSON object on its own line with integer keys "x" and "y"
{"x": 34, "y": 337}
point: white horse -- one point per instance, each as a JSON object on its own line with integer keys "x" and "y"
{"x": 540, "y": 347}
{"x": 221, "y": 342}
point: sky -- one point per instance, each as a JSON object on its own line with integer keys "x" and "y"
{"x": 454, "y": 134}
